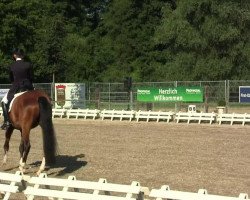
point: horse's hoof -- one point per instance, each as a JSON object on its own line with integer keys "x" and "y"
{"x": 38, "y": 172}
{"x": 4, "y": 163}
{"x": 22, "y": 169}
{"x": 4, "y": 159}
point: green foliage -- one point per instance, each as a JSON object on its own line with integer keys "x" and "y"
{"x": 150, "y": 40}
{"x": 125, "y": 35}
{"x": 205, "y": 40}
{"x": 221, "y": 103}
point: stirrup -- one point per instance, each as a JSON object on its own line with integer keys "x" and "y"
{"x": 5, "y": 125}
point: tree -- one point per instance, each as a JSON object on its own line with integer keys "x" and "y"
{"x": 204, "y": 40}
{"x": 79, "y": 49}
{"x": 123, "y": 38}
{"x": 33, "y": 26}
{"x": 41, "y": 28}
{"x": 149, "y": 40}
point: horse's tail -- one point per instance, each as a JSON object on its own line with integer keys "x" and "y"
{"x": 49, "y": 137}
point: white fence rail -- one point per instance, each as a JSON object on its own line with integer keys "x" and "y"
{"x": 10, "y": 183}
{"x": 199, "y": 117}
{"x": 233, "y": 118}
{"x": 166, "y": 193}
{"x": 56, "y": 112}
{"x": 85, "y": 113}
{"x": 120, "y": 114}
{"x": 154, "y": 115}
{"x": 61, "y": 188}
{"x": 71, "y": 188}
{"x": 188, "y": 116}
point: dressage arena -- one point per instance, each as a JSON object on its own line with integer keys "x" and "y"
{"x": 186, "y": 157}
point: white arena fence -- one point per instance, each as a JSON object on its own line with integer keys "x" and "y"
{"x": 188, "y": 117}
{"x": 157, "y": 116}
{"x": 202, "y": 194}
{"x": 119, "y": 114}
{"x": 71, "y": 188}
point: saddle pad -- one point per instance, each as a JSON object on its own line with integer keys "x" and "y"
{"x": 15, "y": 96}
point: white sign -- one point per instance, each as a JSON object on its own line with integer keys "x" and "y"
{"x": 3, "y": 92}
{"x": 70, "y": 95}
{"x": 244, "y": 94}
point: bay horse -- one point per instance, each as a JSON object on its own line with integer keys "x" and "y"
{"x": 29, "y": 110}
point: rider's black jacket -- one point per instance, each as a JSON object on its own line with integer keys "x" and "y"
{"x": 21, "y": 77}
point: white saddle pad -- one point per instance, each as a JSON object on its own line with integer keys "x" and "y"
{"x": 15, "y": 96}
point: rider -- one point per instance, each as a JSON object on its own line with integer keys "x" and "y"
{"x": 21, "y": 77}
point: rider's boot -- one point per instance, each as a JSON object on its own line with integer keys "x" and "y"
{"x": 6, "y": 122}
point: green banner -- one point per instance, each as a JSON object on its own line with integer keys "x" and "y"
{"x": 176, "y": 94}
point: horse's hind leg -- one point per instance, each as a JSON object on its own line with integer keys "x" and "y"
{"x": 24, "y": 149}
{"x": 6, "y": 146}
{"x": 42, "y": 167}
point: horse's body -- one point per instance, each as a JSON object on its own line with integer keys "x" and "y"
{"x": 29, "y": 110}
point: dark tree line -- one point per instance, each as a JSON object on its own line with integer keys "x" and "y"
{"x": 107, "y": 40}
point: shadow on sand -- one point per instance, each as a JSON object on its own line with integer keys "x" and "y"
{"x": 64, "y": 163}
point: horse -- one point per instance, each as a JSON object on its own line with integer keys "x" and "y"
{"x": 29, "y": 110}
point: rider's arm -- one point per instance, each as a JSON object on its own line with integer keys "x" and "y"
{"x": 31, "y": 73}
{"x": 11, "y": 76}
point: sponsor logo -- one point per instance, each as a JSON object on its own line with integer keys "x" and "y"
{"x": 141, "y": 91}
{"x": 60, "y": 91}
{"x": 245, "y": 95}
{"x": 193, "y": 91}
